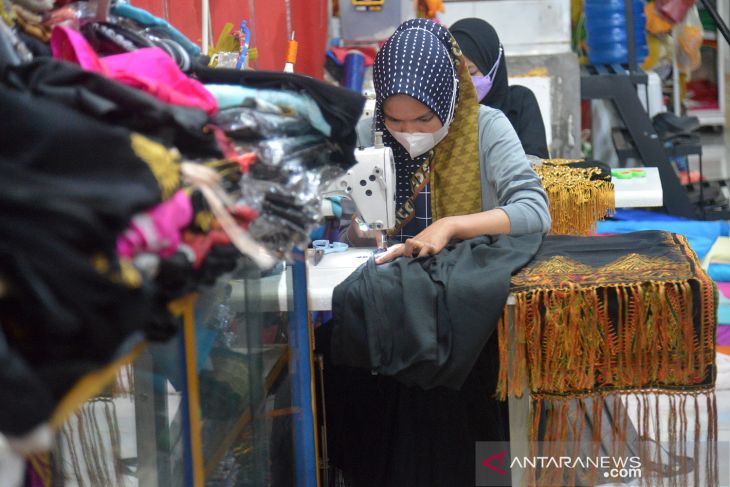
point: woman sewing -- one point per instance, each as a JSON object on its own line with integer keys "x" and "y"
{"x": 487, "y": 64}
{"x": 461, "y": 173}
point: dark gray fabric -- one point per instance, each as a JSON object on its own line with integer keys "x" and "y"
{"x": 424, "y": 321}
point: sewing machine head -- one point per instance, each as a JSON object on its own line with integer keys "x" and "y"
{"x": 370, "y": 184}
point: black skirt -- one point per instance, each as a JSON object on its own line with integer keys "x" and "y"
{"x": 383, "y": 433}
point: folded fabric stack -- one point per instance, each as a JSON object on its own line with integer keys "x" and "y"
{"x": 121, "y": 191}
{"x": 717, "y": 265}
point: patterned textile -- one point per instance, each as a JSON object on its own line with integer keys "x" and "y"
{"x": 420, "y": 60}
{"x": 625, "y": 316}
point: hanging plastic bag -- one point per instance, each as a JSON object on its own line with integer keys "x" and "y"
{"x": 674, "y": 9}
{"x": 688, "y": 35}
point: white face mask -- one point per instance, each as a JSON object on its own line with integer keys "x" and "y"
{"x": 418, "y": 143}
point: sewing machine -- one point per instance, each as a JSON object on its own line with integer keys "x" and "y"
{"x": 370, "y": 184}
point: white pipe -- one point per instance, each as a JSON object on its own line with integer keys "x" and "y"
{"x": 205, "y": 34}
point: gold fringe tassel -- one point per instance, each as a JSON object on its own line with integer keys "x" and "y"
{"x": 661, "y": 461}
{"x": 569, "y": 344}
{"x": 577, "y": 203}
{"x": 587, "y": 353}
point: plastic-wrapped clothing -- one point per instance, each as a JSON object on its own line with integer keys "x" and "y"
{"x": 295, "y": 103}
{"x": 244, "y": 123}
{"x": 341, "y": 108}
{"x": 149, "y": 69}
{"x": 111, "y": 102}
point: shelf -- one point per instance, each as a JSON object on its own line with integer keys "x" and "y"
{"x": 709, "y": 117}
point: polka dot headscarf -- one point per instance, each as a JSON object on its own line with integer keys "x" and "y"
{"x": 415, "y": 61}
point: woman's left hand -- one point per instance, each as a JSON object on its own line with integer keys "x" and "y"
{"x": 429, "y": 242}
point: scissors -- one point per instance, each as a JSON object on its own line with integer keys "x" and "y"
{"x": 628, "y": 173}
{"x": 322, "y": 247}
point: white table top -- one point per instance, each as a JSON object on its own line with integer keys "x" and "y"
{"x": 335, "y": 267}
{"x": 639, "y": 192}
{"x": 331, "y": 270}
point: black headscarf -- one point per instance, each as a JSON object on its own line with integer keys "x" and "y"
{"x": 480, "y": 44}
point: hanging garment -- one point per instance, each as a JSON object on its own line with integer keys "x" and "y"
{"x": 148, "y": 69}
{"x": 110, "y": 102}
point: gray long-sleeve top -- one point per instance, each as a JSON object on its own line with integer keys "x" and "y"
{"x": 508, "y": 181}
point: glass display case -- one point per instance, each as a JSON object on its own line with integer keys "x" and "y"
{"x": 227, "y": 403}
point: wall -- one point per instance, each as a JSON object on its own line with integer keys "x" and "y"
{"x": 525, "y": 26}
{"x": 562, "y": 76}
{"x": 268, "y": 22}
{"x": 536, "y": 34}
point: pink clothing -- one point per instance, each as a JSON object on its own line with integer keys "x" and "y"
{"x": 149, "y": 69}
{"x": 158, "y": 230}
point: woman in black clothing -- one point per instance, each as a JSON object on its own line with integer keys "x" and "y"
{"x": 485, "y": 57}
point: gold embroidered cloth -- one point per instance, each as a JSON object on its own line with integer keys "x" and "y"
{"x": 604, "y": 322}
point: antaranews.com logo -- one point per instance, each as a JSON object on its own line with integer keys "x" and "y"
{"x": 590, "y": 464}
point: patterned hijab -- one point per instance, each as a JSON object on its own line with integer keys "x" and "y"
{"x": 421, "y": 60}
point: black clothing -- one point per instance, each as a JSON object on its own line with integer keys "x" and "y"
{"x": 111, "y": 102}
{"x": 524, "y": 114}
{"x": 425, "y": 320}
{"x": 429, "y": 321}
{"x": 386, "y": 434}
{"x": 68, "y": 186}
{"x": 480, "y": 44}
